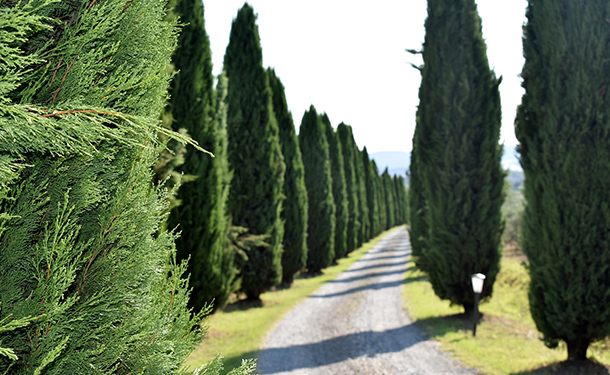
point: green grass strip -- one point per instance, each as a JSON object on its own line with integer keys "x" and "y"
{"x": 507, "y": 341}
{"x": 239, "y": 330}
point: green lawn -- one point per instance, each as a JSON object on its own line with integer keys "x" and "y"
{"x": 507, "y": 341}
{"x": 238, "y": 331}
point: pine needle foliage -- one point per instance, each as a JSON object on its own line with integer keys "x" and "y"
{"x": 255, "y": 198}
{"x": 318, "y": 180}
{"x": 458, "y": 123}
{"x": 294, "y": 213}
{"x": 201, "y": 217}
{"x": 563, "y": 127}
{"x": 344, "y": 134}
{"x": 88, "y": 282}
{"x": 87, "y": 285}
{"x": 339, "y": 188}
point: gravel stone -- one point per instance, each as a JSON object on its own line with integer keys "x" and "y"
{"x": 356, "y": 324}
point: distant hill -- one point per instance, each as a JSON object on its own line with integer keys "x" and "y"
{"x": 398, "y": 162}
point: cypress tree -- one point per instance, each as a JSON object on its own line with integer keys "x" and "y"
{"x": 344, "y": 134}
{"x": 390, "y": 202}
{"x": 318, "y": 180}
{"x": 418, "y": 228}
{"x": 339, "y": 188}
{"x": 458, "y": 123}
{"x": 255, "y": 198}
{"x": 294, "y": 214}
{"x": 401, "y": 200}
{"x": 381, "y": 203}
{"x": 88, "y": 282}
{"x": 371, "y": 195}
{"x": 363, "y": 208}
{"x": 563, "y": 126}
{"x": 202, "y": 216}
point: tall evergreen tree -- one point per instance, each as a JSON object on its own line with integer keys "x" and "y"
{"x": 390, "y": 201}
{"x": 294, "y": 214}
{"x": 339, "y": 188}
{"x": 401, "y": 200}
{"x": 371, "y": 195}
{"x": 318, "y": 180}
{"x": 344, "y": 134}
{"x": 88, "y": 284}
{"x": 563, "y": 126}
{"x": 363, "y": 208}
{"x": 255, "y": 198}
{"x": 418, "y": 228}
{"x": 381, "y": 203}
{"x": 458, "y": 126}
{"x": 202, "y": 216}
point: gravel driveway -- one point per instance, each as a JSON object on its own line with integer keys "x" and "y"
{"x": 356, "y": 324}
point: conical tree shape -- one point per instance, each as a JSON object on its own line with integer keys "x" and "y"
{"x": 381, "y": 203}
{"x": 255, "y": 198}
{"x": 563, "y": 125}
{"x": 294, "y": 214}
{"x": 88, "y": 284}
{"x": 318, "y": 180}
{"x": 401, "y": 200}
{"x": 418, "y": 228}
{"x": 344, "y": 134}
{"x": 339, "y": 188}
{"x": 371, "y": 195}
{"x": 458, "y": 121}
{"x": 363, "y": 208}
{"x": 202, "y": 216}
{"x": 390, "y": 203}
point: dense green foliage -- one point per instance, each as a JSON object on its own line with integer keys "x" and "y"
{"x": 318, "y": 180}
{"x": 390, "y": 199}
{"x": 457, "y": 152}
{"x": 255, "y": 198}
{"x": 294, "y": 214}
{"x": 418, "y": 227}
{"x": 563, "y": 126}
{"x": 371, "y": 195}
{"x": 363, "y": 208}
{"x": 402, "y": 200}
{"x": 339, "y": 188}
{"x": 381, "y": 203}
{"x": 88, "y": 284}
{"x": 345, "y": 137}
{"x": 201, "y": 217}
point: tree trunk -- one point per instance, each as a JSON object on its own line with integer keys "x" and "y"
{"x": 577, "y": 349}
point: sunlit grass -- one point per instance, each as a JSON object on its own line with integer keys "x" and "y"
{"x": 507, "y": 341}
{"x": 238, "y": 331}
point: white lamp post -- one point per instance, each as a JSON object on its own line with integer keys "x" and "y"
{"x": 477, "y": 288}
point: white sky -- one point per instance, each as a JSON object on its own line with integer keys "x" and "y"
{"x": 348, "y": 59}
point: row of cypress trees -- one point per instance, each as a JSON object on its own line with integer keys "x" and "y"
{"x": 289, "y": 193}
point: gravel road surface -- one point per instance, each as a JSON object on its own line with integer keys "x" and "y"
{"x": 356, "y": 325}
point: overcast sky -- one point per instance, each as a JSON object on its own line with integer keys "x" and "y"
{"x": 348, "y": 59}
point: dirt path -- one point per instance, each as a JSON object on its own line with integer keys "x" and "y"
{"x": 356, "y": 325}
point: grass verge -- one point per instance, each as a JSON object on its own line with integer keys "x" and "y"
{"x": 238, "y": 331}
{"x": 507, "y": 341}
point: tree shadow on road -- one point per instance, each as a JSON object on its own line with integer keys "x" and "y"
{"x": 570, "y": 368}
{"x": 377, "y": 286}
{"x": 368, "y": 276}
{"x": 339, "y": 349}
{"x": 383, "y": 265}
